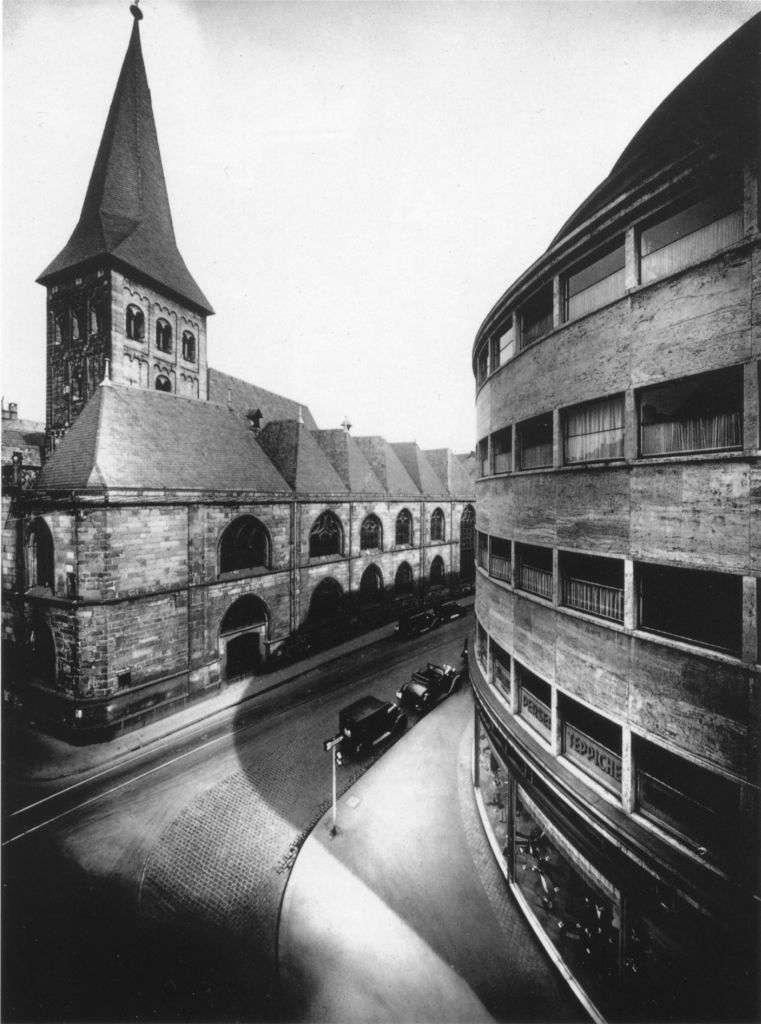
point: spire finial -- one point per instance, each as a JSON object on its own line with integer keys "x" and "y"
{"x": 135, "y": 11}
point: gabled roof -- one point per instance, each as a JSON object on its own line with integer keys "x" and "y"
{"x": 135, "y": 438}
{"x": 386, "y": 465}
{"x": 450, "y": 471}
{"x": 468, "y": 460}
{"x": 419, "y": 468}
{"x": 245, "y": 397}
{"x": 348, "y": 461}
{"x": 299, "y": 458}
{"x": 126, "y": 211}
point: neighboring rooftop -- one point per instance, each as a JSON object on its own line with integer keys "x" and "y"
{"x": 450, "y": 470}
{"x": 25, "y": 436}
{"x": 386, "y": 465}
{"x": 299, "y": 458}
{"x": 418, "y": 467}
{"x": 348, "y": 461}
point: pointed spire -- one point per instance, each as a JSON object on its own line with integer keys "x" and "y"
{"x": 126, "y": 210}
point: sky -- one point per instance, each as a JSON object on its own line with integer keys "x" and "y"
{"x": 353, "y": 184}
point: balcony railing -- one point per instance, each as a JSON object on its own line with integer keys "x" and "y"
{"x": 500, "y": 568}
{"x": 705, "y": 433}
{"x": 692, "y": 248}
{"x": 536, "y": 712}
{"x": 592, "y": 757}
{"x": 536, "y": 581}
{"x": 503, "y": 462}
{"x": 684, "y": 814}
{"x": 606, "y": 290}
{"x": 594, "y": 598}
{"x": 532, "y": 332}
{"x": 536, "y": 456}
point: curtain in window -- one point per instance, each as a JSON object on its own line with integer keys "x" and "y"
{"x": 722, "y": 430}
{"x": 595, "y": 431}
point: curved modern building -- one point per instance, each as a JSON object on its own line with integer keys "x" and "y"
{"x": 616, "y": 667}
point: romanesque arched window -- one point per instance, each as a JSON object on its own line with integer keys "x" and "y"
{"x": 163, "y": 383}
{"x": 163, "y": 335}
{"x": 404, "y": 527}
{"x": 188, "y": 347}
{"x": 371, "y": 534}
{"x": 244, "y": 545}
{"x": 437, "y": 571}
{"x": 135, "y": 323}
{"x": 403, "y": 579}
{"x": 40, "y": 557}
{"x": 326, "y": 536}
{"x": 437, "y": 525}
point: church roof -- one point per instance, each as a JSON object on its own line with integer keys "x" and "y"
{"x": 418, "y": 467}
{"x": 299, "y": 458}
{"x": 135, "y": 438}
{"x": 450, "y": 470}
{"x": 386, "y": 465}
{"x": 348, "y": 461}
{"x": 126, "y": 212}
{"x": 245, "y": 397}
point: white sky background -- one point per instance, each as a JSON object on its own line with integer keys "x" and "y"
{"x": 353, "y": 184}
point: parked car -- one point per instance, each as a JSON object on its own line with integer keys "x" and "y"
{"x": 449, "y": 611}
{"x": 366, "y": 723}
{"x": 428, "y": 686}
{"x": 413, "y": 625}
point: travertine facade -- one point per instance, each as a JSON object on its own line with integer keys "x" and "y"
{"x": 616, "y": 667}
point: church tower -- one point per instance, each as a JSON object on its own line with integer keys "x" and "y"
{"x": 121, "y": 301}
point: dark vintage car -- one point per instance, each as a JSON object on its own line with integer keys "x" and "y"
{"x": 413, "y": 625}
{"x": 428, "y": 686}
{"x": 366, "y": 723}
{"x": 449, "y": 611}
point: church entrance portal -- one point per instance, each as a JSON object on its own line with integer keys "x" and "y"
{"x": 242, "y": 636}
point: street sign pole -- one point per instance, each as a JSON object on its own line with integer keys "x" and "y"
{"x": 332, "y": 746}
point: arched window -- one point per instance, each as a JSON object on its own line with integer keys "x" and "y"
{"x": 403, "y": 580}
{"x": 135, "y": 324}
{"x": 95, "y": 317}
{"x": 163, "y": 336}
{"x": 437, "y": 571}
{"x": 468, "y": 543}
{"x": 371, "y": 534}
{"x": 437, "y": 525}
{"x": 40, "y": 559}
{"x": 244, "y": 613}
{"x": 188, "y": 347}
{"x": 75, "y": 315}
{"x": 371, "y": 586}
{"x": 243, "y": 545}
{"x": 327, "y": 601}
{"x": 326, "y": 536}
{"x": 404, "y": 527}
{"x": 163, "y": 383}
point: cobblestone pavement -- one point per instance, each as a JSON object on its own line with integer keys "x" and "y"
{"x": 223, "y": 862}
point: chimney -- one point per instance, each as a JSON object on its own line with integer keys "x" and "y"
{"x": 11, "y": 413}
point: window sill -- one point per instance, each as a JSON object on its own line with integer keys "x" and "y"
{"x": 687, "y": 646}
{"x": 238, "y": 574}
{"x": 683, "y": 845}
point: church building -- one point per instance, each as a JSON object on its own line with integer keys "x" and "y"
{"x": 186, "y": 527}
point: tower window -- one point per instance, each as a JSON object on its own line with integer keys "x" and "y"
{"x": 188, "y": 347}
{"x": 135, "y": 324}
{"x": 163, "y": 336}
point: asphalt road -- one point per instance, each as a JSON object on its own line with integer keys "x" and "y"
{"x": 152, "y": 891}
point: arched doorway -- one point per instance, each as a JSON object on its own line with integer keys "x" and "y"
{"x": 468, "y": 544}
{"x": 42, "y": 663}
{"x": 371, "y": 587}
{"x": 327, "y": 602}
{"x": 242, "y": 636}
